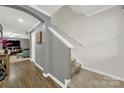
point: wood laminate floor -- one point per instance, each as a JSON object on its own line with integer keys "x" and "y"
{"x": 26, "y": 74}
{"x": 89, "y": 79}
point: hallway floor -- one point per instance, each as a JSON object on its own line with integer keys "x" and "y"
{"x": 14, "y": 59}
{"x": 89, "y": 79}
{"x": 26, "y": 74}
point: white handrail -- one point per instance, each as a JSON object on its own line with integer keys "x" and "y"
{"x": 77, "y": 42}
{"x": 61, "y": 38}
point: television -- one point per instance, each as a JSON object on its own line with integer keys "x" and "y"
{"x": 15, "y": 43}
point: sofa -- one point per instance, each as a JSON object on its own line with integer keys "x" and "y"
{"x": 24, "y": 54}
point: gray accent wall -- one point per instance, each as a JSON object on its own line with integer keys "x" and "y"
{"x": 52, "y": 55}
{"x": 39, "y": 48}
{"x": 47, "y": 51}
{"x": 59, "y": 55}
{"x": 39, "y": 54}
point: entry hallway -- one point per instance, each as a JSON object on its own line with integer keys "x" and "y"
{"x": 26, "y": 74}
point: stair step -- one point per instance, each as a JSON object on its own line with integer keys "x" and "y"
{"x": 75, "y": 67}
{"x": 73, "y": 59}
{"x": 70, "y": 85}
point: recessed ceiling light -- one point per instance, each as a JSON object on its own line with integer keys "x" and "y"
{"x": 20, "y": 20}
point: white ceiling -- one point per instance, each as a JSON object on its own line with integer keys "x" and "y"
{"x": 51, "y": 9}
{"x": 86, "y": 10}
{"x": 9, "y": 17}
{"x": 89, "y": 10}
{"x": 47, "y": 9}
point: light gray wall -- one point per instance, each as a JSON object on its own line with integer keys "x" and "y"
{"x": 1, "y": 46}
{"x": 61, "y": 63}
{"x": 52, "y": 55}
{"x": 102, "y": 37}
{"x": 59, "y": 58}
{"x": 47, "y": 51}
{"x": 24, "y": 43}
{"x": 39, "y": 48}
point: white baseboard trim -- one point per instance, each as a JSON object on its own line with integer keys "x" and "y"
{"x": 36, "y": 64}
{"x": 96, "y": 71}
{"x": 32, "y": 60}
{"x": 67, "y": 82}
{"x": 57, "y": 81}
{"x": 45, "y": 75}
{"x": 48, "y": 74}
{"x": 102, "y": 73}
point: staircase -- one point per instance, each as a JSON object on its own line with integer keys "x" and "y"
{"x": 83, "y": 78}
{"x": 75, "y": 67}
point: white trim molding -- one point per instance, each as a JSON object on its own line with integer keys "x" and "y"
{"x": 100, "y": 10}
{"x": 39, "y": 66}
{"x": 57, "y": 81}
{"x": 102, "y": 73}
{"x": 61, "y": 38}
{"x": 96, "y": 71}
{"x": 37, "y": 8}
{"x": 48, "y": 74}
{"x": 36, "y": 64}
{"x": 31, "y": 29}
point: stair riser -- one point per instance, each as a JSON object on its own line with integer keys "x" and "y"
{"x": 75, "y": 67}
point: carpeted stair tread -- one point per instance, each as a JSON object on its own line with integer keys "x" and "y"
{"x": 75, "y": 67}
{"x": 73, "y": 59}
